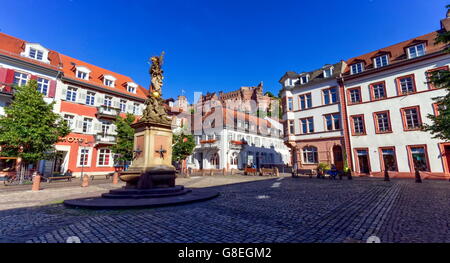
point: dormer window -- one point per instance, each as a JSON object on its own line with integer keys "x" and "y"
{"x": 356, "y": 68}
{"x": 304, "y": 79}
{"x": 416, "y": 51}
{"x": 82, "y": 72}
{"x": 109, "y": 81}
{"x": 36, "y": 54}
{"x": 131, "y": 87}
{"x": 381, "y": 61}
{"x": 328, "y": 72}
{"x": 35, "y": 51}
{"x": 290, "y": 82}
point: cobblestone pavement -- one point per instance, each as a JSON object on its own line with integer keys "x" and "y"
{"x": 274, "y": 210}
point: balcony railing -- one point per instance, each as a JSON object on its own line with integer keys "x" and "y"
{"x": 107, "y": 112}
{"x": 105, "y": 139}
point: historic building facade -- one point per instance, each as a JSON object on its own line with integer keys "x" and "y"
{"x": 312, "y": 116}
{"x": 388, "y": 98}
{"x": 88, "y": 97}
{"x": 232, "y": 139}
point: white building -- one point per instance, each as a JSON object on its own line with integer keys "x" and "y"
{"x": 388, "y": 99}
{"x": 234, "y": 140}
{"x": 312, "y": 116}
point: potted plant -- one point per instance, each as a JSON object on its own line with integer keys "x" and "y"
{"x": 321, "y": 168}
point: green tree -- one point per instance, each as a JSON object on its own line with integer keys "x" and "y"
{"x": 124, "y": 139}
{"x": 182, "y": 147}
{"x": 440, "y": 126}
{"x": 29, "y": 129}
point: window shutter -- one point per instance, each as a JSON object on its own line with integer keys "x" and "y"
{"x": 81, "y": 96}
{"x": 52, "y": 90}
{"x": 100, "y": 98}
{"x": 116, "y": 103}
{"x": 64, "y": 93}
{"x": 113, "y": 129}
{"x": 9, "y": 77}
{"x": 130, "y": 107}
{"x": 34, "y": 77}
{"x": 97, "y": 127}
{"x": 3, "y": 72}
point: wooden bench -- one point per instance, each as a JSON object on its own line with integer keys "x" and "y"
{"x": 252, "y": 171}
{"x": 63, "y": 177}
{"x": 268, "y": 171}
{"x": 309, "y": 172}
{"x": 107, "y": 176}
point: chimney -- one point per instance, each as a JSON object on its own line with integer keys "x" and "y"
{"x": 445, "y": 23}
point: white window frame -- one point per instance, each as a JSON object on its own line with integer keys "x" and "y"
{"x": 381, "y": 61}
{"x": 328, "y": 70}
{"x": 310, "y": 150}
{"x": 416, "y": 50}
{"x": 107, "y": 101}
{"x": 90, "y": 98}
{"x": 99, "y": 152}
{"x": 36, "y": 53}
{"x": 20, "y": 78}
{"x": 131, "y": 87}
{"x": 70, "y": 120}
{"x": 89, "y": 125}
{"x": 89, "y": 159}
{"x": 356, "y": 68}
{"x": 82, "y": 72}
{"x": 71, "y": 94}
{"x": 304, "y": 79}
{"x": 43, "y": 85}
{"x": 136, "y": 108}
{"x": 123, "y": 106}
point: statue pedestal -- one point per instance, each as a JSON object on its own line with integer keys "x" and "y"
{"x": 152, "y": 166}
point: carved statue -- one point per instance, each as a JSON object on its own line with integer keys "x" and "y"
{"x": 156, "y": 74}
{"x": 154, "y": 110}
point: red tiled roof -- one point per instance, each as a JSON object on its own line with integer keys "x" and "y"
{"x": 398, "y": 51}
{"x": 96, "y": 76}
{"x": 12, "y": 46}
{"x": 230, "y": 115}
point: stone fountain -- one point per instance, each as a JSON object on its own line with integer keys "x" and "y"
{"x": 150, "y": 180}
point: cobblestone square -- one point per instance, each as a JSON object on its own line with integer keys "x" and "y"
{"x": 273, "y": 210}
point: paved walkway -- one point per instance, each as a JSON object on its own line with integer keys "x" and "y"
{"x": 274, "y": 210}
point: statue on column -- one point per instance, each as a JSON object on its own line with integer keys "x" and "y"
{"x": 154, "y": 109}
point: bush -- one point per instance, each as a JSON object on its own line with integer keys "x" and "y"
{"x": 323, "y": 166}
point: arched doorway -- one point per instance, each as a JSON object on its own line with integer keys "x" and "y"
{"x": 337, "y": 157}
{"x": 214, "y": 161}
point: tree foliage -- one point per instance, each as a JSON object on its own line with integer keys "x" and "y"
{"x": 29, "y": 129}
{"x": 183, "y": 146}
{"x": 440, "y": 126}
{"x": 124, "y": 139}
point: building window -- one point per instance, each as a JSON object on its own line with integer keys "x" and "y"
{"x": 328, "y": 72}
{"x": 356, "y": 68}
{"x": 290, "y": 104}
{"x": 104, "y": 157}
{"x": 354, "y": 95}
{"x": 70, "y": 120}
{"x": 82, "y": 75}
{"x": 381, "y": 61}
{"x": 87, "y": 125}
{"x": 90, "y": 98}
{"x": 123, "y": 105}
{"x": 131, "y": 89}
{"x": 36, "y": 54}
{"x": 332, "y": 121}
{"x": 419, "y": 158}
{"x": 389, "y": 159}
{"x": 105, "y": 128}
{"x": 330, "y": 96}
{"x": 358, "y": 125}
{"x": 378, "y": 91}
{"x": 411, "y": 118}
{"x": 436, "y": 75}
{"x": 20, "y": 79}
{"x": 43, "y": 85}
{"x": 107, "y": 101}
{"x": 136, "y": 111}
{"x": 416, "y": 51}
{"x": 71, "y": 94}
{"x": 84, "y": 157}
{"x": 108, "y": 82}
{"x": 382, "y": 122}
{"x": 406, "y": 84}
{"x": 310, "y": 155}
{"x": 307, "y": 125}
{"x": 304, "y": 79}
{"x": 305, "y": 101}
{"x": 291, "y": 127}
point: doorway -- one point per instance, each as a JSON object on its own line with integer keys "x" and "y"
{"x": 337, "y": 157}
{"x": 447, "y": 157}
{"x": 363, "y": 161}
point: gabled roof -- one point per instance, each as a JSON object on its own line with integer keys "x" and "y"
{"x": 398, "y": 51}
{"x": 12, "y": 46}
{"x": 96, "y": 76}
{"x": 316, "y": 76}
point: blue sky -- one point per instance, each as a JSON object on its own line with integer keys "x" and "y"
{"x": 217, "y": 45}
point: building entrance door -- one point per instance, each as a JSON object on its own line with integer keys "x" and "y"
{"x": 447, "y": 156}
{"x": 363, "y": 161}
{"x": 337, "y": 157}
